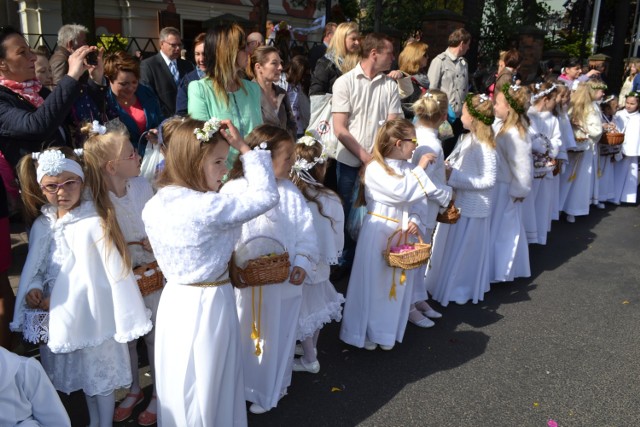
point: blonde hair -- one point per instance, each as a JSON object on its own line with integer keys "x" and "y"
{"x": 273, "y": 136}
{"x": 514, "y": 118}
{"x": 582, "y": 99}
{"x": 337, "y": 47}
{"x": 185, "y": 154}
{"x": 431, "y": 106}
{"x": 388, "y": 134}
{"x": 98, "y": 150}
{"x": 410, "y": 57}
{"x": 221, "y": 48}
{"x": 482, "y": 131}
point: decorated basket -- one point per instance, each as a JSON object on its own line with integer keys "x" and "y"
{"x": 267, "y": 269}
{"x": 406, "y": 255}
{"x": 449, "y": 216}
{"x": 35, "y": 328}
{"x": 149, "y": 276}
{"x": 612, "y": 138}
{"x": 542, "y": 165}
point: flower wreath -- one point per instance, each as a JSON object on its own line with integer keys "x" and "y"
{"x": 510, "y": 99}
{"x": 210, "y": 127}
{"x": 487, "y": 120}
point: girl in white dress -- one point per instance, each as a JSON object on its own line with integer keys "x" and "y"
{"x": 626, "y": 170}
{"x": 430, "y": 111}
{"x": 545, "y": 143}
{"x": 379, "y": 297}
{"x": 563, "y": 100}
{"x": 509, "y": 249}
{"x": 580, "y": 172}
{"x": 78, "y": 268}
{"x": 269, "y": 314}
{"x": 320, "y": 302}
{"x": 608, "y": 153}
{"x": 108, "y": 151}
{"x": 462, "y": 251}
{"x": 193, "y": 230}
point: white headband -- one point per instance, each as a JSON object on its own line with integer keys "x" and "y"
{"x": 53, "y": 163}
{"x": 543, "y": 93}
{"x": 302, "y": 167}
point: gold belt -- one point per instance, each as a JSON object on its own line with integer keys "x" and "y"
{"x": 383, "y": 217}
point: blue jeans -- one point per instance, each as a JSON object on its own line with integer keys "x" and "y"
{"x": 347, "y": 182}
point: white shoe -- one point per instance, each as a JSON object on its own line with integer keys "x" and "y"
{"x": 432, "y": 313}
{"x": 257, "y": 409}
{"x": 299, "y": 365}
{"x": 299, "y": 351}
{"x": 600, "y": 205}
{"x": 369, "y": 345}
{"x": 425, "y": 322}
{"x": 386, "y": 347}
{"x": 571, "y": 219}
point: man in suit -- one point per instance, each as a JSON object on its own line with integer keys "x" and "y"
{"x": 163, "y": 71}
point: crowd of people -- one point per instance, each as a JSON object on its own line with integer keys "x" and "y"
{"x": 278, "y": 175}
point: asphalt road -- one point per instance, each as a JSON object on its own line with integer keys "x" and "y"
{"x": 561, "y": 346}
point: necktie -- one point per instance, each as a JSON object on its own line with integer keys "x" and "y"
{"x": 174, "y": 71}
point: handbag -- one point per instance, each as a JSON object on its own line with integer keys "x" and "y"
{"x": 321, "y": 123}
{"x": 152, "y": 158}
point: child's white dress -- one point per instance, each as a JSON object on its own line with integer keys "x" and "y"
{"x": 460, "y": 263}
{"x": 509, "y": 249}
{"x": 275, "y": 309}
{"x": 581, "y": 172}
{"x": 199, "y": 376}
{"x": 568, "y": 144}
{"x": 95, "y": 306}
{"x": 626, "y": 170}
{"x": 371, "y": 311}
{"x": 428, "y": 142}
{"x": 321, "y": 303}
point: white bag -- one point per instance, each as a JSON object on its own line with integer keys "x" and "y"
{"x": 321, "y": 123}
{"x": 152, "y": 157}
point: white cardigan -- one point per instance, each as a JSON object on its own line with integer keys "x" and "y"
{"x": 94, "y": 298}
{"x": 514, "y": 161}
{"x": 473, "y": 176}
{"x": 630, "y": 125}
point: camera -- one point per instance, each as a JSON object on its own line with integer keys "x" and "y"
{"x": 92, "y": 58}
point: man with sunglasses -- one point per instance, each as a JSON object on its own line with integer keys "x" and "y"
{"x": 163, "y": 71}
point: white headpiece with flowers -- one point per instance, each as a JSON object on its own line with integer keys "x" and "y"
{"x": 301, "y": 167}
{"x": 53, "y": 163}
{"x": 210, "y": 127}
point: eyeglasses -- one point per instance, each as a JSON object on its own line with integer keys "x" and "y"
{"x": 131, "y": 157}
{"x": 67, "y": 185}
{"x": 174, "y": 45}
{"x": 412, "y": 140}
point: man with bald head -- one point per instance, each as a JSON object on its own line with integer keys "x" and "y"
{"x": 254, "y": 41}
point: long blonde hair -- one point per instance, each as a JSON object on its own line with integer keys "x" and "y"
{"x": 482, "y": 131}
{"x": 98, "y": 150}
{"x": 337, "y": 49}
{"x": 520, "y": 120}
{"x": 582, "y": 100}
{"x": 221, "y": 48}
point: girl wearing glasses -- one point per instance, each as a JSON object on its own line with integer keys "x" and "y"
{"x": 379, "y": 297}
{"x": 78, "y": 269}
{"x": 108, "y": 153}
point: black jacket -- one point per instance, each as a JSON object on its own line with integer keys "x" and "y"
{"x": 323, "y": 77}
{"x": 25, "y": 128}
{"x": 154, "y": 72}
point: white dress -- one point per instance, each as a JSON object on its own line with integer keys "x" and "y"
{"x": 371, "y": 311}
{"x": 199, "y": 376}
{"x": 581, "y": 170}
{"x": 460, "y": 263}
{"x": 129, "y": 216}
{"x": 274, "y": 308}
{"x": 321, "y": 303}
{"x": 95, "y": 306}
{"x": 626, "y": 170}
{"x": 428, "y": 142}
{"x": 568, "y": 144}
{"x": 509, "y": 249}
{"x": 546, "y": 143}
{"x": 28, "y": 398}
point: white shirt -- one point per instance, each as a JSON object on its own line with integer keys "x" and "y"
{"x": 368, "y": 101}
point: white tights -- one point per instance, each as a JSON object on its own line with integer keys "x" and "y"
{"x": 101, "y": 409}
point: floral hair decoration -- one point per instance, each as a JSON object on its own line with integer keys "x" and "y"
{"x": 510, "y": 99}
{"x": 262, "y": 146}
{"x": 210, "y": 127}
{"x": 487, "y": 120}
{"x": 429, "y": 95}
{"x": 98, "y": 128}
{"x": 302, "y": 166}
{"x": 634, "y": 94}
{"x": 600, "y": 86}
{"x": 53, "y": 163}
{"x": 544, "y": 93}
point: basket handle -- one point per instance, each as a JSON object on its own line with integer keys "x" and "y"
{"x": 135, "y": 243}
{"x": 284, "y": 248}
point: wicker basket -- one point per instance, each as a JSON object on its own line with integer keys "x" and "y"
{"x": 265, "y": 270}
{"x": 612, "y": 138}
{"x": 35, "y": 328}
{"x": 409, "y": 259}
{"x": 450, "y": 216}
{"x": 149, "y": 276}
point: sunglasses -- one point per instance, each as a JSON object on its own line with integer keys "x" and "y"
{"x": 67, "y": 185}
